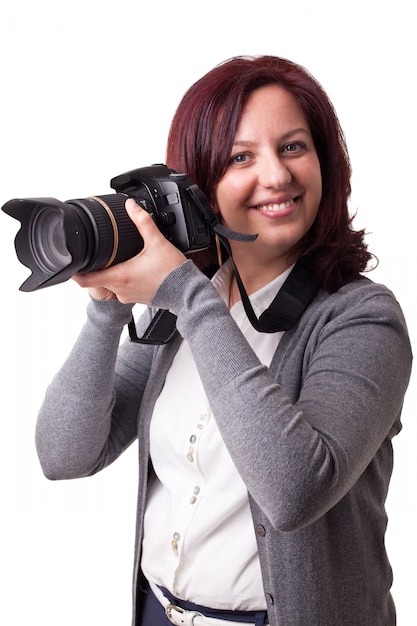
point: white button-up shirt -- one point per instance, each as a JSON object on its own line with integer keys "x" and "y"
{"x": 199, "y": 541}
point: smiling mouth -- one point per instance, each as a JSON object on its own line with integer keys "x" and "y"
{"x": 276, "y": 207}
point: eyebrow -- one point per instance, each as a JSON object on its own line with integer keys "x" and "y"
{"x": 290, "y": 133}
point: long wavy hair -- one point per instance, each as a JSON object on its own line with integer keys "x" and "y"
{"x": 201, "y": 138}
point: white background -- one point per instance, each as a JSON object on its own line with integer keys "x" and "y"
{"x": 88, "y": 90}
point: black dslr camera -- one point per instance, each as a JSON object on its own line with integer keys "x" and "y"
{"x": 59, "y": 239}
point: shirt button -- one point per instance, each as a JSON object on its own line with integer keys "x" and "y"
{"x": 269, "y": 598}
{"x": 193, "y": 500}
{"x": 193, "y": 439}
{"x": 203, "y": 418}
{"x": 175, "y": 539}
{"x": 260, "y": 530}
{"x": 196, "y": 490}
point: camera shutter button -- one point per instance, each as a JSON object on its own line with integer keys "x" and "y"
{"x": 178, "y": 176}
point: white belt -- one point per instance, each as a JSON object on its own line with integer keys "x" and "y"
{"x": 181, "y": 617}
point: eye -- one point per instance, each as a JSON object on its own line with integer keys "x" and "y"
{"x": 237, "y": 159}
{"x": 295, "y": 147}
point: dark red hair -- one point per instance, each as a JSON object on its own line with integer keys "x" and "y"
{"x": 201, "y": 138}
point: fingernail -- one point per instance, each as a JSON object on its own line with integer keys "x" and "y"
{"x": 131, "y": 205}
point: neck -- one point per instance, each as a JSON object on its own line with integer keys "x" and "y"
{"x": 234, "y": 293}
{"x": 253, "y": 280}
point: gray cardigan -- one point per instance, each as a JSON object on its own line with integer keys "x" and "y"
{"x": 310, "y": 436}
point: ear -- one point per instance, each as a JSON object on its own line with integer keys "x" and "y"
{"x": 215, "y": 207}
{"x": 213, "y": 202}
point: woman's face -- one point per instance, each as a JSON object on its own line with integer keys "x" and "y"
{"x": 272, "y": 185}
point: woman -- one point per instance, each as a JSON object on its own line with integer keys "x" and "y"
{"x": 264, "y": 457}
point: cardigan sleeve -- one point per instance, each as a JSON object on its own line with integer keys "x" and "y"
{"x": 349, "y": 359}
{"x": 89, "y": 414}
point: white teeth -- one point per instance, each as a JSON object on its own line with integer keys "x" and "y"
{"x": 275, "y": 207}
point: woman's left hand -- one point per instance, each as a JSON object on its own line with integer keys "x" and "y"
{"x": 137, "y": 280}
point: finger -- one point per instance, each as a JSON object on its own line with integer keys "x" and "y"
{"x": 90, "y": 280}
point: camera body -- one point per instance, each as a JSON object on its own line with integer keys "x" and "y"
{"x": 59, "y": 239}
{"x": 166, "y": 195}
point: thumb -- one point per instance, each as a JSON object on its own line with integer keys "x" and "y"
{"x": 141, "y": 218}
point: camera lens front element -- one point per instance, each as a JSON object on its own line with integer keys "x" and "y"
{"x": 47, "y": 241}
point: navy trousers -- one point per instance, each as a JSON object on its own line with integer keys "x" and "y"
{"x": 152, "y": 613}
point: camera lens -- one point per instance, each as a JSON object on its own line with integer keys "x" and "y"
{"x": 47, "y": 241}
{"x": 60, "y": 239}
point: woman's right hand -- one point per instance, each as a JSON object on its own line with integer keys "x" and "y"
{"x": 137, "y": 279}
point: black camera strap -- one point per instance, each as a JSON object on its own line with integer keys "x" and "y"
{"x": 289, "y": 304}
{"x": 161, "y": 330}
{"x": 285, "y": 310}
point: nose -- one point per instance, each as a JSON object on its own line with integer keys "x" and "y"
{"x": 273, "y": 172}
